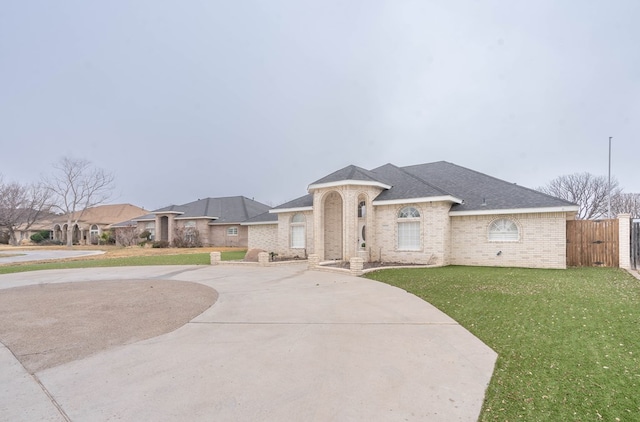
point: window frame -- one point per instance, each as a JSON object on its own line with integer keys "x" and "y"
{"x": 298, "y": 231}
{"x": 232, "y": 231}
{"x": 409, "y": 229}
{"x": 497, "y": 234}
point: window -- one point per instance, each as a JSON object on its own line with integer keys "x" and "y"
{"x": 362, "y": 209}
{"x": 232, "y": 231}
{"x": 151, "y": 228}
{"x": 297, "y": 231}
{"x": 503, "y": 230}
{"x": 409, "y": 229}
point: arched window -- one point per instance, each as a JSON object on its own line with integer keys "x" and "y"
{"x": 503, "y": 230}
{"x": 298, "y": 231}
{"x": 409, "y": 229}
{"x": 362, "y": 209}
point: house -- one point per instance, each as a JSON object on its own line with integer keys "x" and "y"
{"x": 88, "y": 225}
{"x": 206, "y": 222}
{"x": 434, "y": 214}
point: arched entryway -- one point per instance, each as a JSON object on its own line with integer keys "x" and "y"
{"x": 333, "y": 226}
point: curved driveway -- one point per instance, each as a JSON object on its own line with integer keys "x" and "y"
{"x": 25, "y": 255}
{"x": 281, "y": 343}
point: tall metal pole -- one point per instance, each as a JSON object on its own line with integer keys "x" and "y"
{"x": 609, "y": 188}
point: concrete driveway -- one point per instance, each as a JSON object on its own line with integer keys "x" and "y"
{"x": 8, "y": 256}
{"x": 279, "y": 344}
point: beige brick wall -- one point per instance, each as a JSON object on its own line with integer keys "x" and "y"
{"x": 263, "y": 236}
{"x": 284, "y": 248}
{"x": 435, "y": 234}
{"x": 218, "y": 236}
{"x": 542, "y": 242}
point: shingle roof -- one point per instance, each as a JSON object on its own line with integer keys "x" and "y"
{"x": 225, "y": 210}
{"x": 264, "y": 218}
{"x": 480, "y": 191}
{"x": 350, "y": 173}
{"x": 476, "y": 191}
{"x": 302, "y": 202}
{"x": 104, "y": 214}
{"x": 406, "y": 185}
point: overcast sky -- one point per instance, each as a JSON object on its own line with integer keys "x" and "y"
{"x": 190, "y": 99}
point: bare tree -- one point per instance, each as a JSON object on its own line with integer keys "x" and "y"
{"x": 77, "y": 186}
{"x": 127, "y": 236}
{"x": 588, "y": 191}
{"x": 20, "y": 206}
{"x": 626, "y": 203}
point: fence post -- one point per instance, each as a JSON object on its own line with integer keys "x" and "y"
{"x": 624, "y": 240}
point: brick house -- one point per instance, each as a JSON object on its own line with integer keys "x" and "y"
{"x": 206, "y": 222}
{"x": 88, "y": 225}
{"x": 435, "y": 213}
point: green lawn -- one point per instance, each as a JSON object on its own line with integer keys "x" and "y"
{"x": 568, "y": 340}
{"x": 181, "y": 259}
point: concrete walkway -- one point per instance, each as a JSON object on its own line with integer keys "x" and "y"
{"x": 281, "y": 343}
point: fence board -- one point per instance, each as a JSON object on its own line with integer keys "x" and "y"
{"x": 592, "y": 243}
{"x": 635, "y": 244}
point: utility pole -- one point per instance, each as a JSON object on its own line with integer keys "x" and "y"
{"x": 609, "y": 187}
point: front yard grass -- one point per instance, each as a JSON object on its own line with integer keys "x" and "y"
{"x": 179, "y": 257}
{"x": 568, "y": 340}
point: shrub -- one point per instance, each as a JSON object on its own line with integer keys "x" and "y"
{"x": 40, "y": 236}
{"x": 186, "y": 238}
{"x": 160, "y": 244}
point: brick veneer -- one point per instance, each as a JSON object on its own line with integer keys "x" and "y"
{"x": 542, "y": 243}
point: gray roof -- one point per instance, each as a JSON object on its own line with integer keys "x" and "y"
{"x": 265, "y": 217}
{"x": 477, "y": 191}
{"x": 302, "y": 202}
{"x": 350, "y": 173}
{"x": 480, "y": 191}
{"x": 406, "y": 185}
{"x": 226, "y": 210}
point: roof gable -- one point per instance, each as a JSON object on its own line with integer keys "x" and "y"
{"x": 350, "y": 175}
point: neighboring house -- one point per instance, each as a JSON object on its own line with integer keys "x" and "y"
{"x": 90, "y": 224}
{"x": 207, "y": 222}
{"x": 436, "y": 213}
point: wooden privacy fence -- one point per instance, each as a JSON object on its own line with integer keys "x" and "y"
{"x": 592, "y": 243}
{"x": 635, "y": 244}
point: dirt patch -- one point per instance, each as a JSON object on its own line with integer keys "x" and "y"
{"x": 50, "y": 324}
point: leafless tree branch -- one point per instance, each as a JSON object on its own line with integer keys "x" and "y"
{"x": 76, "y": 186}
{"x": 588, "y": 191}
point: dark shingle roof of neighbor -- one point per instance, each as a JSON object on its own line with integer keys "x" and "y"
{"x": 476, "y": 190}
{"x": 225, "y": 210}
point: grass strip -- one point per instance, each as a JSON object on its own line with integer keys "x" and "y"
{"x": 180, "y": 259}
{"x": 568, "y": 340}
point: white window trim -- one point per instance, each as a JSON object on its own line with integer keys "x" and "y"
{"x": 495, "y": 237}
{"x": 232, "y": 231}
{"x": 298, "y": 226}
{"x": 400, "y": 221}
